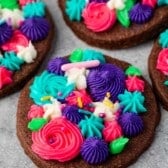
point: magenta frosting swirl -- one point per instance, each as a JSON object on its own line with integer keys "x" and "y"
{"x": 103, "y": 79}
{"x": 58, "y": 140}
{"x": 35, "y": 29}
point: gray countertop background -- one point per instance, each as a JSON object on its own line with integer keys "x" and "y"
{"x": 11, "y": 153}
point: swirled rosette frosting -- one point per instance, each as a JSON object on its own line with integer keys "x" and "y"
{"x": 106, "y": 78}
{"x": 48, "y": 84}
{"x": 58, "y": 140}
{"x": 98, "y": 17}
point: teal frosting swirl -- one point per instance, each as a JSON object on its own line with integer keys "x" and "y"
{"x": 93, "y": 55}
{"x": 162, "y": 2}
{"x": 91, "y": 126}
{"x": 132, "y": 102}
{"x": 49, "y": 84}
{"x": 163, "y": 39}
{"x": 34, "y": 9}
{"x": 74, "y": 9}
{"x": 11, "y": 61}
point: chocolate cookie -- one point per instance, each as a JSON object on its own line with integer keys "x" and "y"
{"x": 146, "y": 26}
{"x": 27, "y": 45}
{"x": 157, "y": 64}
{"x": 136, "y": 145}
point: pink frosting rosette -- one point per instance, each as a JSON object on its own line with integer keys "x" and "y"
{"x": 133, "y": 83}
{"x": 24, "y": 2}
{"x": 35, "y": 112}
{"x": 98, "y": 17}
{"x": 151, "y": 3}
{"x": 162, "y": 61}
{"x": 58, "y": 140}
{"x": 18, "y": 39}
{"x": 112, "y": 131}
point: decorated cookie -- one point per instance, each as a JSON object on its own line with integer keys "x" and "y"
{"x": 26, "y": 33}
{"x": 86, "y": 110}
{"x": 158, "y": 67}
{"x": 115, "y": 24}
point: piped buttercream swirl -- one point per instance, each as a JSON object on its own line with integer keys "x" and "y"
{"x": 58, "y": 140}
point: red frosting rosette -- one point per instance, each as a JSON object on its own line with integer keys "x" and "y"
{"x": 98, "y": 17}
{"x": 58, "y": 140}
{"x": 162, "y": 62}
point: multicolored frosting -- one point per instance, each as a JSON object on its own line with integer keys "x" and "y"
{"x": 21, "y": 23}
{"x": 102, "y": 15}
{"x": 94, "y": 120}
{"x": 162, "y": 60}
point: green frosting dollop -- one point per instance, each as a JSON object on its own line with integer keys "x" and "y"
{"x": 89, "y": 55}
{"x": 34, "y": 9}
{"x": 162, "y": 2}
{"x": 11, "y": 61}
{"x": 37, "y": 123}
{"x": 49, "y": 85}
{"x": 118, "y": 145}
{"x": 163, "y": 39}
{"x": 76, "y": 55}
{"x": 123, "y": 15}
{"x": 10, "y": 4}
{"x": 133, "y": 71}
{"x": 91, "y": 126}
{"x": 74, "y": 9}
{"x": 132, "y": 102}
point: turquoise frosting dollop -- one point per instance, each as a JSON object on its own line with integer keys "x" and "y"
{"x": 34, "y": 9}
{"x": 49, "y": 84}
{"x": 11, "y": 61}
{"x": 132, "y": 102}
{"x": 163, "y": 39}
{"x": 162, "y": 2}
{"x": 91, "y": 126}
{"x": 74, "y": 9}
{"x": 93, "y": 55}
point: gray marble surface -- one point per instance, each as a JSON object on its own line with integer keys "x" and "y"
{"x": 11, "y": 153}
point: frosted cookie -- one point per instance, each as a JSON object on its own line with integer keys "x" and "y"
{"x": 158, "y": 68}
{"x": 115, "y": 24}
{"x": 86, "y": 109}
{"x": 26, "y": 34}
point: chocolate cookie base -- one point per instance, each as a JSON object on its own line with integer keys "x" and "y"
{"x": 119, "y": 37}
{"x": 134, "y": 149}
{"x": 157, "y": 77}
{"x": 28, "y": 70}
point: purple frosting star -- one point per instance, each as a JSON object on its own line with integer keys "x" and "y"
{"x": 54, "y": 66}
{"x": 141, "y": 13}
{"x": 94, "y": 150}
{"x": 72, "y": 114}
{"x": 106, "y": 78}
{"x": 131, "y": 124}
{"x": 5, "y": 32}
{"x": 36, "y": 29}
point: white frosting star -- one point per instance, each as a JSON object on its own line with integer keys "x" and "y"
{"x": 28, "y": 54}
{"x": 14, "y": 17}
{"x": 77, "y": 76}
{"x": 53, "y": 110}
{"x": 116, "y": 4}
{"x": 105, "y": 111}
